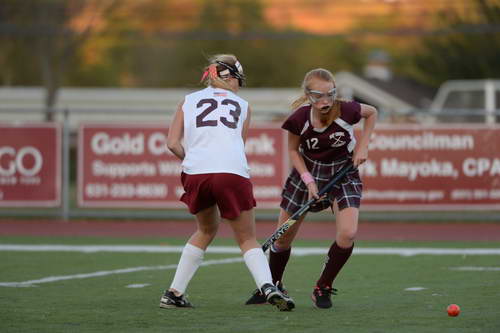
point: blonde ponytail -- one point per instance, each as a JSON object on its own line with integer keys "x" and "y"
{"x": 299, "y": 102}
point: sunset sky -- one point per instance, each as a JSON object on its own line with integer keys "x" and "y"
{"x": 314, "y": 16}
{"x": 327, "y": 17}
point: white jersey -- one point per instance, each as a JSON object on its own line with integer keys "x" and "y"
{"x": 213, "y": 124}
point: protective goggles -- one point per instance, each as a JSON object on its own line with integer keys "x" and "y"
{"x": 235, "y": 71}
{"x": 316, "y": 96}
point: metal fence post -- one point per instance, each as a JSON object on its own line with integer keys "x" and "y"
{"x": 489, "y": 90}
{"x": 65, "y": 167}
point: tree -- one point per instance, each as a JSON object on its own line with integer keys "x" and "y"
{"x": 270, "y": 57}
{"x": 48, "y": 36}
{"x": 155, "y": 43}
{"x": 465, "y": 47}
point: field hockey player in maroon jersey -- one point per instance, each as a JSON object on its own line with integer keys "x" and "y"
{"x": 320, "y": 143}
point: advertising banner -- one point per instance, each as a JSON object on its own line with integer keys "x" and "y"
{"x": 409, "y": 168}
{"x": 126, "y": 166}
{"x": 129, "y": 165}
{"x": 268, "y": 162}
{"x": 433, "y": 168}
{"x": 30, "y": 165}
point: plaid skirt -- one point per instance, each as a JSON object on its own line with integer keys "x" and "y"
{"x": 347, "y": 192}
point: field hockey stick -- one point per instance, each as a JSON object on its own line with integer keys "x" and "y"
{"x": 295, "y": 216}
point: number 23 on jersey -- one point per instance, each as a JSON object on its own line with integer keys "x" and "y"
{"x": 208, "y": 105}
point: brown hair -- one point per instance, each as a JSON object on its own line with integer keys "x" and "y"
{"x": 214, "y": 80}
{"x": 321, "y": 74}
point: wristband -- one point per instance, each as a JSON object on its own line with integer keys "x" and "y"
{"x": 307, "y": 178}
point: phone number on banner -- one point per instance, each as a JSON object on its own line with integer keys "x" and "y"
{"x": 125, "y": 190}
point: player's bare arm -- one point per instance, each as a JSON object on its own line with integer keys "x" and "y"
{"x": 369, "y": 113}
{"x": 176, "y": 132}
{"x": 298, "y": 162}
{"x": 246, "y": 124}
{"x": 293, "y": 151}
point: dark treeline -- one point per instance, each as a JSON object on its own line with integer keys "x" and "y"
{"x": 160, "y": 43}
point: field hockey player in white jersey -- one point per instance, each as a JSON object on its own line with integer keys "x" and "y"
{"x": 208, "y": 134}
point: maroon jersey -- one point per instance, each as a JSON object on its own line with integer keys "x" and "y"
{"x": 327, "y": 144}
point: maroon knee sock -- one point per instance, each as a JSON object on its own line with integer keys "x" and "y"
{"x": 277, "y": 263}
{"x": 335, "y": 260}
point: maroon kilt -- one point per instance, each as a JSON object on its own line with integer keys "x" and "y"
{"x": 347, "y": 192}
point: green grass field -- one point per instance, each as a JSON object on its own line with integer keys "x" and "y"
{"x": 373, "y": 295}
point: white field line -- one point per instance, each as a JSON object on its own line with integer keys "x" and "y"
{"x": 415, "y": 289}
{"x": 214, "y": 249}
{"x": 299, "y": 251}
{"x": 32, "y": 283}
{"x": 476, "y": 269}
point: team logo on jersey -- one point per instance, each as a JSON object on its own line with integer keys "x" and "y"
{"x": 338, "y": 139}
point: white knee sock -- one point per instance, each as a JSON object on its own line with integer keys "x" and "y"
{"x": 256, "y": 261}
{"x": 191, "y": 259}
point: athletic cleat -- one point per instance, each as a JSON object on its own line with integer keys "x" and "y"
{"x": 275, "y": 297}
{"x": 259, "y": 298}
{"x": 256, "y": 298}
{"x": 321, "y": 297}
{"x": 169, "y": 300}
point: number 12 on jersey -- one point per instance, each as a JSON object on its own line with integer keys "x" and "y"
{"x": 312, "y": 143}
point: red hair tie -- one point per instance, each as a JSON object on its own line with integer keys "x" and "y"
{"x": 211, "y": 72}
